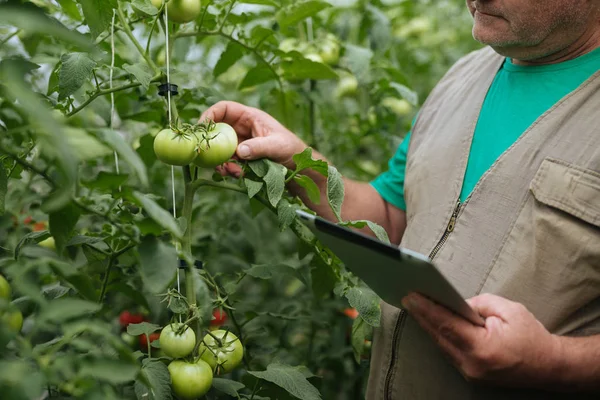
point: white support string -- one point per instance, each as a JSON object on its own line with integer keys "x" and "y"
{"x": 112, "y": 94}
{"x": 168, "y": 61}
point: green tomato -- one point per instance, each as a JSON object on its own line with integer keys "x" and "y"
{"x": 225, "y": 356}
{"x": 399, "y": 107}
{"x": 5, "y": 290}
{"x": 190, "y": 380}
{"x": 174, "y": 148}
{"x": 217, "y": 146}
{"x": 329, "y": 50}
{"x": 175, "y": 344}
{"x": 347, "y": 85}
{"x": 157, "y": 3}
{"x": 289, "y": 44}
{"x": 49, "y": 243}
{"x": 130, "y": 340}
{"x": 182, "y": 11}
{"x": 13, "y": 319}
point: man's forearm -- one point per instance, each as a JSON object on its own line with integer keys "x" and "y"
{"x": 578, "y": 366}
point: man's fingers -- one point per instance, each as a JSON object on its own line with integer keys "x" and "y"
{"x": 239, "y": 116}
{"x": 443, "y": 325}
{"x": 489, "y": 305}
{"x": 260, "y": 147}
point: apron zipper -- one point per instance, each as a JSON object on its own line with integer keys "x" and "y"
{"x": 402, "y": 315}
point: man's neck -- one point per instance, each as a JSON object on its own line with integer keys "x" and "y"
{"x": 585, "y": 44}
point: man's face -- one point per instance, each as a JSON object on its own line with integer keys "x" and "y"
{"x": 530, "y": 28}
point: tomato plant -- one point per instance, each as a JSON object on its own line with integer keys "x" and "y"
{"x": 104, "y": 208}
{"x": 177, "y": 340}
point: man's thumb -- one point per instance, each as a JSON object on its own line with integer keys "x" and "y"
{"x": 260, "y": 147}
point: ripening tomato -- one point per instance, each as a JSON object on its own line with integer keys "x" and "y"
{"x": 5, "y": 290}
{"x": 190, "y": 380}
{"x": 351, "y": 313}
{"x": 48, "y": 243}
{"x": 40, "y": 226}
{"x": 126, "y": 318}
{"x": 175, "y": 148}
{"x": 144, "y": 340}
{"x": 181, "y": 11}
{"x": 347, "y": 85}
{"x": 224, "y": 354}
{"x": 177, "y": 341}
{"x": 217, "y": 145}
{"x": 219, "y": 318}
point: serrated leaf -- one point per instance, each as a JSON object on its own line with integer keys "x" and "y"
{"x": 157, "y": 374}
{"x": 275, "y": 181}
{"x": 125, "y": 152}
{"x": 98, "y": 15}
{"x": 409, "y": 95}
{"x": 143, "y": 328}
{"x": 304, "y": 160}
{"x": 76, "y": 69}
{"x": 228, "y": 386}
{"x": 299, "y": 11}
{"x": 77, "y": 279}
{"x": 302, "y": 68}
{"x": 312, "y": 190}
{"x": 62, "y": 223}
{"x": 3, "y": 188}
{"x": 141, "y": 72}
{"x": 289, "y": 378}
{"x": 259, "y": 167}
{"x": 178, "y": 306}
{"x": 253, "y": 187}
{"x": 375, "y": 228}
{"x": 70, "y": 8}
{"x": 108, "y": 370}
{"x": 286, "y": 213}
{"x": 232, "y": 54}
{"x": 335, "y": 191}
{"x": 360, "y": 331}
{"x": 158, "y": 264}
{"x": 257, "y": 75}
{"x": 64, "y": 309}
{"x": 145, "y": 6}
{"x": 367, "y": 303}
{"x": 159, "y": 214}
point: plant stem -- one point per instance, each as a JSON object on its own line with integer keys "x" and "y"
{"x": 28, "y": 166}
{"x": 137, "y": 44}
{"x": 6, "y": 39}
{"x": 105, "y": 280}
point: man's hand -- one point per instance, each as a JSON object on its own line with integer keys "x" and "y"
{"x": 513, "y": 349}
{"x": 259, "y": 135}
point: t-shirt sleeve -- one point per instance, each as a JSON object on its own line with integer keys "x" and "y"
{"x": 390, "y": 184}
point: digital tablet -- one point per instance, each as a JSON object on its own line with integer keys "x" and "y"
{"x": 390, "y": 271}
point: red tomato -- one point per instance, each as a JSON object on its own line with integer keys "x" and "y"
{"x": 28, "y": 220}
{"x": 351, "y": 313}
{"x": 220, "y": 317}
{"x": 144, "y": 342}
{"x": 127, "y": 318}
{"x": 40, "y": 226}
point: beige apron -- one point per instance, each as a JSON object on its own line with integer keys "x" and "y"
{"x": 530, "y": 230}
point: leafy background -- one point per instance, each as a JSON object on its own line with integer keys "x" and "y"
{"x": 116, "y": 246}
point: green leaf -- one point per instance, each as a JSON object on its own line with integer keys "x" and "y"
{"x": 143, "y": 328}
{"x": 157, "y": 374}
{"x": 366, "y": 303}
{"x": 253, "y": 187}
{"x": 358, "y": 59}
{"x": 159, "y": 214}
{"x": 289, "y": 378}
{"x": 299, "y": 11}
{"x": 257, "y": 75}
{"x": 312, "y": 190}
{"x": 79, "y": 280}
{"x": 302, "y": 68}
{"x": 269, "y": 271}
{"x": 228, "y": 386}
{"x": 106, "y": 181}
{"x": 335, "y": 191}
{"x": 145, "y": 6}
{"x": 98, "y": 15}
{"x": 304, "y": 160}
{"x": 64, "y": 309}
{"x": 375, "y": 228}
{"x": 84, "y": 145}
{"x": 323, "y": 277}
{"x": 70, "y": 8}
{"x": 360, "y": 331}
{"x": 62, "y": 223}
{"x": 380, "y": 31}
{"x": 275, "y": 181}
{"x": 286, "y": 213}
{"x": 158, "y": 264}
{"x": 142, "y": 73}
{"x": 232, "y": 54}
{"x": 409, "y": 95}
{"x": 75, "y": 70}
{"x": 18, "y": 380}
{"x": 259, "y": 167}
{"x": 108, "y": 370}
{"x": 3, "y": 188}
{"x": 125, "y": 152}
{"x": 31, "y": 237}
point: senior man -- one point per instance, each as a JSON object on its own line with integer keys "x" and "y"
{"x": 499, "y": 182}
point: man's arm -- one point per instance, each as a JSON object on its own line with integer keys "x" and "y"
{"x": 512, "y": 349}
{"x": 261, "y": 136}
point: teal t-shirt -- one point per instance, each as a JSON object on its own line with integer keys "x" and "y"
{"x": 519, "y": 95}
